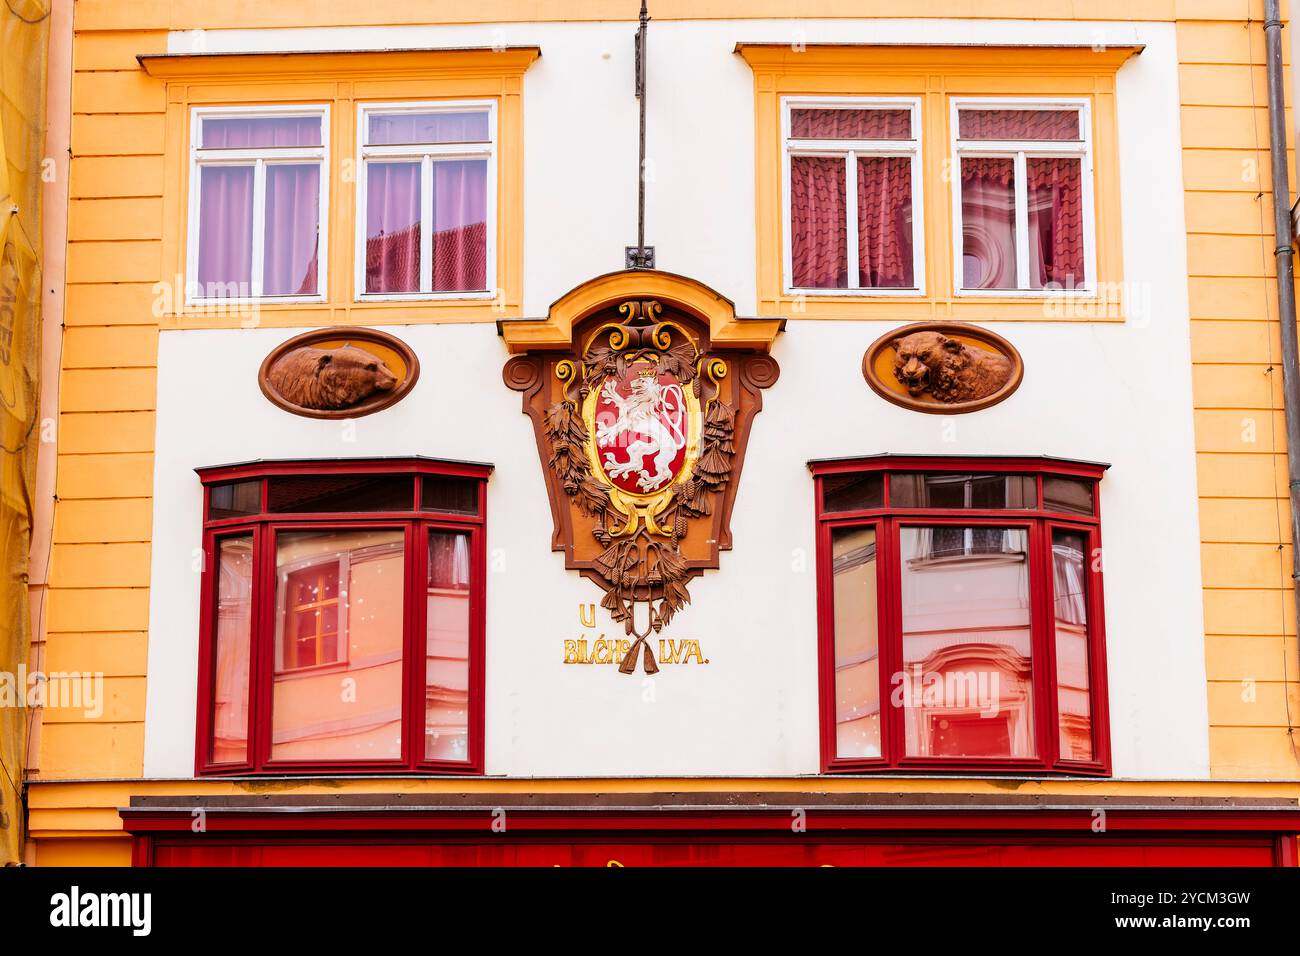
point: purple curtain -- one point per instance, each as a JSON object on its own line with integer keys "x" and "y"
{"x": 242, "y": 132}
{"x": 387, "y": 129}
{"x": 292, "y": 229}
{"x": 393, "y": 227}
{"x": 225, "y": 231}
{"x": 460, "y": 225}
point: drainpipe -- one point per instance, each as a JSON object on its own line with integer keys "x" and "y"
{"x": 1284, "y": 235}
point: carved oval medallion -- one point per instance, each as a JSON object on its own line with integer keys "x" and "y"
{"x": 642, "y": 428}
{"x": 942, "y": 368}
{"x": 339, "y": 373}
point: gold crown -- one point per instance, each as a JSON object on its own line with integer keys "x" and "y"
{"x": 648, "y": 372}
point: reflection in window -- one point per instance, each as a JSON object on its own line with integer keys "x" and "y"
{"x": 426, "y": 202}
{"x": 853, "y": 492}
{"x": 446, "y": 694}
{"x": 966, "y": 683}
{"x": 339, "y": 625}
{"x": 934, "y": 490}
{"x": 857, "y": 650}
{"x": 1023, "y": 176}
{"x": 1073, "y": 495}
{"x": 1070, "y": 600}
{"x": 233, "y": 632}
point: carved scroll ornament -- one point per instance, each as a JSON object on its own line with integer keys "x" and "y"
{"x": 642, "y": 430}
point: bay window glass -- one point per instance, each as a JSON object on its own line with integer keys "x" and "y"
{"x": 857, "y": 649}
{"x": 233, "y": 630}
{"x": 1024, "y": 196}
{"x": 1070, "y": 626}
{"x": 258, "y": 208}
{"x": 425, "y": 218}
{"x": 446, "y": 681}
{"x": 959, "y": 617}
{"x": 338, "y": 681}
{"x": 344, "y": 630}
{"x": 852, "y": 213}
{"x": 966, "y": 671}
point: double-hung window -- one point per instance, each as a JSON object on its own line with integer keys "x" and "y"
{"x": 961, "y": 615}
{"x": 342, "y": 617}
{"x": 853, "y": 222}
{"x": 258, "y": 192}
{"x": 427, "y": 188}
{"x": 1023, "y": 196}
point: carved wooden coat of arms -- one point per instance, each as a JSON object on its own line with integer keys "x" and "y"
{"x": 641, "y": 428}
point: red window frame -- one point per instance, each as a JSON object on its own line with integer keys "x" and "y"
{"x": 1040, "y": 522}
{"x": 415, "y": 524}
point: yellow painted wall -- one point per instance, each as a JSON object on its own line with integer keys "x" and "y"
{"x": 1250, "y": 643}
{"x": 98, "y": 600}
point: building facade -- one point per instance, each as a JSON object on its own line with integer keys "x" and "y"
{"x": 355, "y": 374}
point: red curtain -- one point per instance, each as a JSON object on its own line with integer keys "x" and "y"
{"x": 885, "y": 222}
{"x": 393, "y": 261}
{"x": 1019, "y": 124}
{"x": 851, "y": 124}
{"x": 818, "y": 234}
{"x": 1055, "y": 212}
{"x": 1055, "y": 221}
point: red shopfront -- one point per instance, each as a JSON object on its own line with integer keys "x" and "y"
{"x": 703, "y": 829}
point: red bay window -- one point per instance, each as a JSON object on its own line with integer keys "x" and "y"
{"x": 960, "y": 615}
{"x": 342, "y": 623}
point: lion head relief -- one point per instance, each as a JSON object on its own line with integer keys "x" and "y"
{"x": 948, "y": 369}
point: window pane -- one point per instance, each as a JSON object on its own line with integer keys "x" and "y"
{"x": 850, "y": 124}
{"x": 927, "y": 490}
{"x": 1068, "y": 494}
{"x": 225, "y": 231}
{"x": 1019, "y": 124}
{"x": 988, "y": 221}
{"x": 292, "y": 229}
{"x": 341, "y": 493}
{"x": 231, "y": 650}
{"x": 966, "y": 686}
{"x": 1055, "y": 222}
{"x": 244, "y": 132}
{"x": 885, "y": 222}
{"x": 857, "y": 650}
{"x": 446, "y": 695}
{"x": 460, "y": 225}
{"x": 234, "y": 498}
{"x": 392, "y": 227}
{"x": 853, "y": 492}
{"x": 394, "y": 129}
{"x": 1074, "y": 704}
{"x": 456, "y": 495}
{"x": 337, "y": 691}
{"x": 818, "y": 234}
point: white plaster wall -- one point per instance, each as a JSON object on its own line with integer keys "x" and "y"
{"x": 1117, "y": 393}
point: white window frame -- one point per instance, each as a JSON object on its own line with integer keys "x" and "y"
{"x": 1018, "y": 151}
{"x": 426, "y": 154}
{"x": 850, "y": 150}
{"x": 260, "y": 156}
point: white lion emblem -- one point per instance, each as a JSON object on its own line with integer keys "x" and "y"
{"x": 653, "y": 412}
